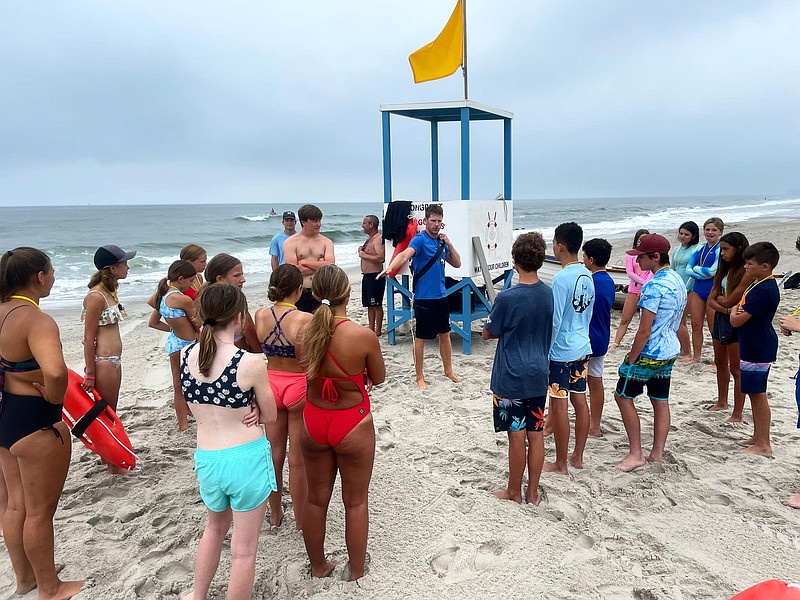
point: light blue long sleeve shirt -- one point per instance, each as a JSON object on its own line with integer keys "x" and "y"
{"x": 573, "y": 303}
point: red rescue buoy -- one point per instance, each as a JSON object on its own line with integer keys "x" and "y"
{"x": 95, "y": 424}
{"x": 411, "y": 231}
{"x": 773, "y": 589}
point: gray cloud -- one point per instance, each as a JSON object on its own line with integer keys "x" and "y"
{"x": 137, "y": 102}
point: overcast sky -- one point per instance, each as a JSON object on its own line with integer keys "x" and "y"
{"x": 138, "y": 101}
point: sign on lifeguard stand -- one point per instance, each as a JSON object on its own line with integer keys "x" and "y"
{"x": 491, "y": 221}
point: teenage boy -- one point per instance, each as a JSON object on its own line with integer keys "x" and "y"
{"x": 654, "y": 350}
{"x": 758, "y": 342}
{"x": 596, "y": 254}
{"x": 309, "y": 250}
{"x": 522, "y": 319}
{"x": 430, "y": 249}
{"x": 289, "y": 222}
{"x": 573, "y": 298}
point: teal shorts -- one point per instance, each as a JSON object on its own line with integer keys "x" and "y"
{"x": 241, "y": 477}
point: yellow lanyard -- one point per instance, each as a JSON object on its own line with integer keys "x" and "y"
{"x": 751, "y": 287}
{"x": 796, "y": 312}
{"x": 31, "y": 300}
{"x": 574, "y": 262}
{"x": 289, "y": 304}
{"x": 114, "y": 295}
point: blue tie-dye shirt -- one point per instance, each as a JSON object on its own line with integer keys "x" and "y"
{"x": 665, "y": 296}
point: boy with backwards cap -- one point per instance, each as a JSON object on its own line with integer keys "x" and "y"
{"x": 655, "y": 349}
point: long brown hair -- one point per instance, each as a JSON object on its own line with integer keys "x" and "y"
{"x": 735, "y": 268}
{"x": 217, "y": 305}
{"x": 192, "y": 252}
{"x": 106, "y": 277}
{"x": 220, "y": 265}
{"x": 283, "y": 281}
{"x": 18, "y": 267}
{"x": 180, "y": 268}
{"x": 331, "y": 285}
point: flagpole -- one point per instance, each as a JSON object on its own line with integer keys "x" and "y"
{"x": 464, "y": 66}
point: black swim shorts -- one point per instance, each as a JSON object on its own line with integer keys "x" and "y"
{"x": 432, "y": 317}
{"x": 372, "y": 289}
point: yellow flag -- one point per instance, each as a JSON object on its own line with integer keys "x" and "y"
{"x": 443, "y": 55}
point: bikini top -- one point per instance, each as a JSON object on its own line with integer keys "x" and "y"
{"x": 112, "y": 314}
{"x": 329, "y": 393}
{"x": 167, "y": 311}
{"x": 223, "y": 391}
{"x": 276, "y": 343}
{"x": 20, "y": 366}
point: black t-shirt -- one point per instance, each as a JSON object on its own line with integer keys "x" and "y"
{"x": 758, "y": 341}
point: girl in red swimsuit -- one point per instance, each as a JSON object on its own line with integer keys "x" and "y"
{"x": 280, "y": 328}
{"x": 342, "y": 361}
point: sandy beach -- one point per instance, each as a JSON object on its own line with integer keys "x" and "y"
{"x": 706, "y": 523}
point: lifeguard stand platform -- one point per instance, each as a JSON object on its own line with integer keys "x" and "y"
{"x": 463, "y": 111}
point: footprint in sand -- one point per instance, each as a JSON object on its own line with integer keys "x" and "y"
{"x": 442, "y": 560}
{"x": 584, "y": 541}
{"x": 385, "y": 437}
{"x": 717, "y": 500}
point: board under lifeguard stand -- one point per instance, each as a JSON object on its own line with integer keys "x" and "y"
{"x": 463, "y": 111}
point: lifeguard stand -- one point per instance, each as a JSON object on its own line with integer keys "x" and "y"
{"x": 462, "y": 111}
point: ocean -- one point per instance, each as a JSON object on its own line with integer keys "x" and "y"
{"x": 71, "y": 234}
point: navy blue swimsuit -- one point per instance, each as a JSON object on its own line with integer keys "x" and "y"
{"x": 21, "y": 415}
{"x": 224, "y": 391}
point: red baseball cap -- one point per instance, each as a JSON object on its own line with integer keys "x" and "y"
{"x": 649, "y": 243}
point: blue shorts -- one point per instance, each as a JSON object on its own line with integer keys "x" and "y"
{"x": 566, "y": 377}
{"x": 522, "y": 414}
{"x": 754, "y": 377}
{"x": 241, "y": 477}
{"x": 175, "y": 344}
{"x": 654, "y": 374}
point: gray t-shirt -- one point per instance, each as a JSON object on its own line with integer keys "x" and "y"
{"x": 522, "y": 319}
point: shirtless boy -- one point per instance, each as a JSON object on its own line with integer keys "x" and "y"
{"x": 309, "y": 250}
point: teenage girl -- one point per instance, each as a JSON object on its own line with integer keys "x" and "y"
{"x": 730, "y": 282}
{"x": 101, "y": 315}
{"x": 177, "y": 309}
{"x": 688, "y": 239}
{"x": 235, "y": 477}
{"x": 198, "y": 257}
{"x": 35, "y": 444}
{"x": 228, "y": 269}
{"x": 637, "y": 278}
{"x": 701, "y": 268}
{"x": 280, "y": 327}
{"x": 339, "y": 357}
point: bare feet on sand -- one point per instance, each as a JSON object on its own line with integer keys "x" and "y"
{"x": 276, "y": 518}
{"x": 718, "y": 406}
{"x": 631, "y": 462}
{"x": 759, "y": 450}
{"x": 654, "y": 458}
{"x": 453, "y": 377}
{"x": 596, "y": 433}
{"x": 551, "y": 467}
{"x": 793, "y": 501}
{"x": 734, "y": 420}
{"x": 507, "y": 495}
{"x": 25, "y": 587}
{"x": 748, "y": 442}
{"x": 692, "y": 361}
{"x": 325, "y": 569}
{"x": 65, "y": 591}
{"x": 532, "y": 498}
{"x": 421, "y": 383}
{"x": 576, "y": 462}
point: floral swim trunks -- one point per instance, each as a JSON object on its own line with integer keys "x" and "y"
{"x": 519, "y": 414}
{"x": 566, "y": 377}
